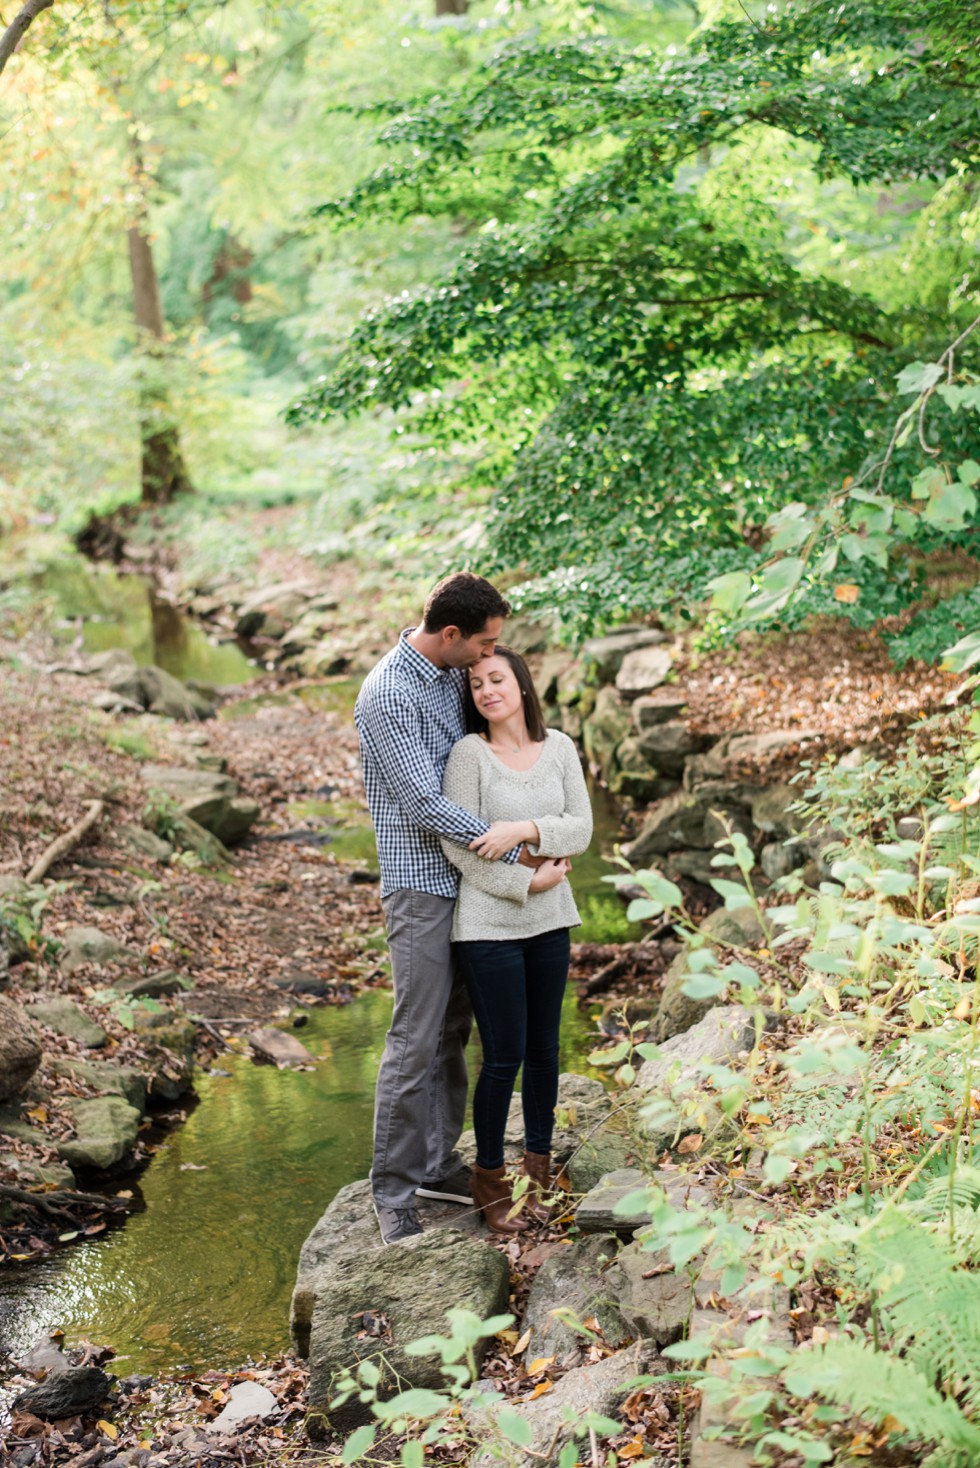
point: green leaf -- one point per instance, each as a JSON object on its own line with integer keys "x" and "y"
{"x": 358, "y": 1443}
{"x": 729, "y": 592}
{"x": 968, "y": 471}
{"x": 735, "y": 895}
{"x": 917, "y": 377}
{"x": 568, "y": 1457}
{"x": 642, "y": 908}
{"x": 516, "y": 1429}
{"x": 740, "y": 973}
{"x": 660, "y": 888}
{"x": 777, "y": 1169}
{"x": 779, "y": 581}
{"x": 963, "y": 654}
{"x": 417, "y": 1402}
{"x": 703, "y": 986}
{"x": 413, "y": 1454}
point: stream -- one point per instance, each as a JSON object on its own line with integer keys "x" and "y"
{"x": 201, "y": 1275}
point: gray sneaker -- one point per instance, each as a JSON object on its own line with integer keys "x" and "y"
{"x": 453, "y": 1188}
{"x": 397, "y": 1224}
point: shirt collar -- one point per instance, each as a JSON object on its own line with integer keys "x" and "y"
{"x": 417, "y": 661}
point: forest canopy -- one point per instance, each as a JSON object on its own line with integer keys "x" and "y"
{"x": 689, "y": 280}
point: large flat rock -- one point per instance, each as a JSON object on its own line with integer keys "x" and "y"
{"x": 600, "y": 1211}
{"x": 348, "y": 1229}
{"x": 599, "y": 1387}
{"x": 105, "y": 1132}
{"x": 720, "y": 1038}
{"x": 573, "y": 1279}
{"x": 376, "y": 1303}
{"x": 101, "y": 1075}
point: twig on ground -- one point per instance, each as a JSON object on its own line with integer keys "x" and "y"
{"x": 64, "y": 844}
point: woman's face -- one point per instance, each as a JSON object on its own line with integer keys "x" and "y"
{"x": 495, "y": 689}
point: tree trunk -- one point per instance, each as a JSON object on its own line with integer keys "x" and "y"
{"x": 451, "y": 7}
{"x": 163, "y": 474}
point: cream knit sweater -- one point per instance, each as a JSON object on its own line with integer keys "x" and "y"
{"x": 494, "y": 901}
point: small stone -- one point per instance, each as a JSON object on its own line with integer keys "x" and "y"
{"x": 145, "y": 843}
{"x": 779, "y": 858}
{"x": 106, "y": 1130}
{"x": 668, "y": 745}
{"x": 606, "y": 654}
{"x": 773, "y": 813}
{"x": 114, "y": 662}
{"x": 552, "y": 1418}
{"x": 82, "y": 945}
{"x": 68, "y": 1393}
{"x": 642, "y": 670}
{"x": 280, "y": 1048}
{"x": 20, "y": 1049}
{"x": 654, "y": 1299}
{"x": 67, "y": 1019}
{"x": 153, "y": 986}
{"x": 246, "y": 1399}
{"x": 661, "y": 706}
{"x": 36, "y": 1174}
{"x": 605, "y": 729}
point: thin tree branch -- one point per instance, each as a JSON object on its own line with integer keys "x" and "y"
{"x": 65, "y": 843}
{"x": 19, "y": 26}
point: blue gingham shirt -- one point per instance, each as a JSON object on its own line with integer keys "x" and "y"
{"x": 409, "y": 714}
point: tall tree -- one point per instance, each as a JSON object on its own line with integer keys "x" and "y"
{"x": 634, "y": 331}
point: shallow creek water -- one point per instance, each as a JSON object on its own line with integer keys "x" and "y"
{"x": 202, "y": 1275}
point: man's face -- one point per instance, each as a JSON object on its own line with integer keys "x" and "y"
{"x": 465, "y": 652}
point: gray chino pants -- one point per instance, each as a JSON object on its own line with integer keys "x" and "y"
{"x": 420, "y": 1102}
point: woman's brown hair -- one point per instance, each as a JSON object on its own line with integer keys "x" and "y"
{"x": 477, "y": 724}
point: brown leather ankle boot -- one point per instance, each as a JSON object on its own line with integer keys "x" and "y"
{"x": 492, "y": 1195}
{"x": 537, "y": 1166}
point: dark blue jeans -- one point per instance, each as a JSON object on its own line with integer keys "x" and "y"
{"x": 516, "y": 988}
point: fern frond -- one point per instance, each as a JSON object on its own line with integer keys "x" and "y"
{"x": 875, "y": 1385}
{"x": 931, "y": 1304}
{"x": 963, "y": 1192}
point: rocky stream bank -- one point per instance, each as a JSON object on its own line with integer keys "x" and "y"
{"x": 196, "y": 907}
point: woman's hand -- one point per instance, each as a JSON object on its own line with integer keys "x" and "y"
{"x": 502, "y": 837}
{"x": 549, "y": 874}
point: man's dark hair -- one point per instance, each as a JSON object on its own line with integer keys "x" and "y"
{"x": 533, "y": 717}
{"x": 465, "y": 601}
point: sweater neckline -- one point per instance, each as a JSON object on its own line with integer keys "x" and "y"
{"x": 545, "y": 745}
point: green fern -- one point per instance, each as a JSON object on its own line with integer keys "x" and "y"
{"x": 929, "y": 1302}
{"x": 877, "y": 1386}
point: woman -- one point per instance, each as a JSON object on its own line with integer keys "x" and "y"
{"x": 511, "y": 925}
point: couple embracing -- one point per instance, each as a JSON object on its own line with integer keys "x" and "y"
{"x": 477, "y": 808}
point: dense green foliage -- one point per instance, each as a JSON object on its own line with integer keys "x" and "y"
{"x": 640, "y": 329}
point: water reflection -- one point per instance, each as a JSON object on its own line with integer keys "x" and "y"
{"x": 115, "y": 610}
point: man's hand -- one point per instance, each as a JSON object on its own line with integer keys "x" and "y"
{"x": 550, "y": 874}
{"x": 525, "y": 859}
{"x": 502, "y": 837}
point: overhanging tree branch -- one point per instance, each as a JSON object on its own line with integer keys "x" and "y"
{"x": 19, "y": 26}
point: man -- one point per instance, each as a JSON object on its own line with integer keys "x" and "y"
{"x": 409, "y": 715}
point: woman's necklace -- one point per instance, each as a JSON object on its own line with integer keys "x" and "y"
{"x": 510, "y": 748}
